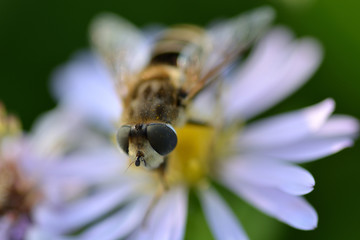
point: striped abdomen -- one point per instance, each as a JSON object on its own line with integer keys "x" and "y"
{"x": 156, "y": 97}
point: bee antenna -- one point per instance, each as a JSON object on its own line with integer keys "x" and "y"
{"x": 129, "y": 166}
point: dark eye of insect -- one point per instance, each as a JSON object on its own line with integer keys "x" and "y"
{"x": 122, "y": 138}
{"x": 162, "y": 137}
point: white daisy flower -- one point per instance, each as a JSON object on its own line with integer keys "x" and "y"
{"x": 39, "y": 169}
{"x": 257, "y": 161}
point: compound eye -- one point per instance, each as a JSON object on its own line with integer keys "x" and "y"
{"x": 162, "y": 137}
{"x": 122, "y": 138}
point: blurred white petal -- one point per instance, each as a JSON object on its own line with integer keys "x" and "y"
{"x": 59, "y": 131}
{"x": 70, "y": 176}
{"x": 336, "y": 134}
{"x": 269, "y": 172}
{"x": 167, "y": 219}
{"x": 53, "y": 131}
{"x": 37, "y": 233}
{"x": 179, "y": 209}
{"x": 340, "y": 126}
{"x": 121, "y": 223}
{"x": 290, "y": 209}
{"x": 91, "y": 165}
{"x": 308, "y": 149}
{"x": 277, "y": 68}
{"x": 85, "y": 87}
{"x": 285, "y": 128}
{"x": 71, "y": 216}
{"x": 223, "y": 223}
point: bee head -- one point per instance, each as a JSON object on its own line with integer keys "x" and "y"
{"x": 147, "y": 143}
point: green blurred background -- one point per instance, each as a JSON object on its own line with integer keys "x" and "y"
{"x": 37, "y": 36}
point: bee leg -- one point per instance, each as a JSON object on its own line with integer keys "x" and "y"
{"x": 161, "y": 170}
{"x": 197, "y": 122}
{"x": 155, "y": 199}
{"x": 162, "y": 174}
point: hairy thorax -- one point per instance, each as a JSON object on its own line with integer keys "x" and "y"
{"x": 154, "y": 98}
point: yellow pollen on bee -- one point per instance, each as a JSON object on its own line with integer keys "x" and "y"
{"x": 190, "y": 161}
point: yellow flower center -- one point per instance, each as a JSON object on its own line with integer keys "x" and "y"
{"x": 17, "y": 193}
{"x": 199, "y": 150}
{"x": 190, "y": 161}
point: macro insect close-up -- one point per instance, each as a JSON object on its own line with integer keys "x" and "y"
{"x": 170, "y": 131}
{"x": 178, "y": 64}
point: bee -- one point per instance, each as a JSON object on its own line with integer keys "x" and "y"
{"x": 159, "y": 72}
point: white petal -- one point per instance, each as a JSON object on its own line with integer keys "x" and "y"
{"x": 69, "y": 217}
{"x": 180, "y": 213}
{"x": 285, "y": 128}
{"x": 120, "y": 224}
{"x": 293, "y": 210}
{"x": 308, "y": 149}
{"x": 85, "y": 87}
{"x": 338, "y": 126}
{"x": 167, "y": 219}
{"x": 37, "y": 233}
{"x": 65, "y": 179}
{"x": 270, "y": 173}
{"x": 276, "y": 69}
{"x": 336, "y": 134}
{"x": 222, "y": 221}
{"x": 92, "y": 165}
{"x": 50, "y": 136}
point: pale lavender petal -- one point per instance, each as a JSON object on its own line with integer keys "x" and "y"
{"x": 20, "y": 227}
{"x": 65, "y": 179}
{"x": 69, "y": 217}
{"x": 308, "y": 149}
{"x": 50, "y": 136}
{"x": 84, "y": 86}
{"x": 167, "y": 219}
{"x": 285, "y": 128}
{"x": 223, "y": 223}
{"x": 336, "y": 134}
{"x": 265, "y": 171}
{"x": 340, "y": 126}
{"x": 120, "y": 224}
{"x": 12, "y": 228}
{"x": 38, "y": 233}
{"x": 180, "y": 213}
{"x": 91, "y": 165}
{"x": 277, "y": 68}
{"x": 5, "y": 224}
{"x": 290, "y": 209}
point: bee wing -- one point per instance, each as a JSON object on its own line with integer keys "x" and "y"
{"x": 227, "y": 40}
{"x": 124, "y": 48}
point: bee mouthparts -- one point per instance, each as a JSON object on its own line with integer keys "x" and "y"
{"x": 137, "y": 162}
{"x": 139, "y": 159}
